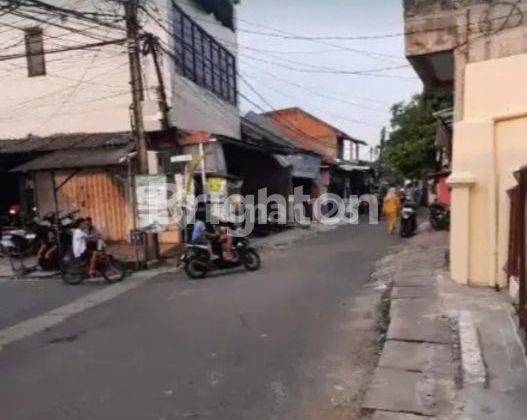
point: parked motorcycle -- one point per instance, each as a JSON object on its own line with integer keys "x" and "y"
{"x": 439, "y": 216}
{"x": 198, "y": 261}
{"x": 408, "y": 219}
{"x": 19, "y": 242}
{"x": 48, "y": 254}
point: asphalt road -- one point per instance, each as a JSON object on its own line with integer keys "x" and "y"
{"x": 274, "y": 344}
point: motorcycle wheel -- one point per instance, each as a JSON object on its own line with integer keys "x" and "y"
{"x": 436, "y": 225}
{"x": 73, "y": 273}
{"x": 404, "y": 232}
{"x": 113, "y": 272}
{"x": 251, "y": 260}
{"x": 17, "y": 266}
{"x": 195, "y": 269}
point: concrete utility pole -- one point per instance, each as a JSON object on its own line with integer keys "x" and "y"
{"x": 136, "y": 83}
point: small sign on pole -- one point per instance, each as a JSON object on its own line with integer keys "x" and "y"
{"x": 180, "y": 158}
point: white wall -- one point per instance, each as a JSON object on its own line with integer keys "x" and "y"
{"x": 88, "y": 90}
{"x": 83, "y": 91}
{"x": 193, "y": 107}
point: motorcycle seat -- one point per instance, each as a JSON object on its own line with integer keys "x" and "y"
{"x": 197, "y": 246}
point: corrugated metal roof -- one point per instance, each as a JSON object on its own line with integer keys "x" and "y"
{"x": 64, "y": 141}
{"x": 76, "y": 158}
{"x": 264, "y": 127}
{"x": 336, "y": 130}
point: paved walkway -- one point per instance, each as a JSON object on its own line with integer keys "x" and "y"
{"x": 451, "y": 351}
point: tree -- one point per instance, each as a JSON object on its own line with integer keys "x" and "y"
{"x": 410, "y": 149}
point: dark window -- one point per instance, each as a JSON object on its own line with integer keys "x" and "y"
{"x": 178, "y": 40}
{"x": 36, "y": 65}
{"x": 216, "y": 74}
{"x": 200, "y": 58}
{"x": 207, "y": 61}
{"x": 223, "y": 73}
{"x": 188, "y": 48}
{"x": 231, "y": 73}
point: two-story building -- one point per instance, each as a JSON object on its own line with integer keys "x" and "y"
{"x": 69, "y": 77}
{"x": 478, "y": 50}
{"x": 341, "y": 171}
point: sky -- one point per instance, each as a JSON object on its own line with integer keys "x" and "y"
{"x": 311, "y": 74}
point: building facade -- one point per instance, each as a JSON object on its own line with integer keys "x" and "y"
{"x": 67, "y": 77}
{"x": 87, "y": 90}
{"x": 477, "y": 50}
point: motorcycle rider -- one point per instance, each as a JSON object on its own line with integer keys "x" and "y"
{"x": 95, "y": 243}
{"x": 80, "y": 239}
{"x": 214, "y": 235}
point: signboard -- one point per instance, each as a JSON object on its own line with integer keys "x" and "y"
{"x": 152, "y": 194}
{"x": 180, "y": 158}
{"x": 217, "y": 186}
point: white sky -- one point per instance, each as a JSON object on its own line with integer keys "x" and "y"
{"x": 365, "y": 99}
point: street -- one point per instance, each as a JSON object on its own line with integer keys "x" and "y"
{"x": 294, "y": 340}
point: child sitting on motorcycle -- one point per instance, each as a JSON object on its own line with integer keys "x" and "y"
{"x": 84, "y": 235}
{"x": 215, "y": 236}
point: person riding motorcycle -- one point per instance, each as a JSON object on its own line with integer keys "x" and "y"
{"x": 215, "y": 236}
{"x": 81, "y": 239}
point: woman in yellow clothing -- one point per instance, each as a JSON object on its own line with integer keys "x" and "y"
{"x": 391, "y": 208}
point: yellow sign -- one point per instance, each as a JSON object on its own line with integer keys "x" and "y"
{"x": 217, "y": 185}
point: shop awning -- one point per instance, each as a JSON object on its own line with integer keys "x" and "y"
{"x": 350, "y": 167}
{"x": 302, "y": 165}
{"x": 76, "y": 159}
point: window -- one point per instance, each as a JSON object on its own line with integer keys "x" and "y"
{"x": 178, "y": 40}
{"x": 347, "y": 152}
{"x": 36, "y": 65}
{"x": 200, "y": 58}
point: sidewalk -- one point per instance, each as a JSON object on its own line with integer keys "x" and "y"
{"x": 451, "y": 351}
{"x": 287, "y": 237}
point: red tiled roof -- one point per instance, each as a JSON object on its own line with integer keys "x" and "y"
{"x": 187, "y": 138}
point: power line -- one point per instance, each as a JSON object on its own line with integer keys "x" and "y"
{"x": 341, "y": 117}
{"x": 314, "y": 68}
{"x": 253, "y": 103}
{"x": 316, "y": 92}
{"x": 20, "y": 106}
{"x": 371, "y": 54}
{"x": 65, "y": 49}
{"x": 47, "y": 8}
{"x": 370, "y": 72}
{"x": 72, "y": 91}
{"x": 288, "y": 124}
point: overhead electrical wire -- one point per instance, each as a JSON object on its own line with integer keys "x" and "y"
{"x": 317, "y": 92}
{"x": 65, "y": 49}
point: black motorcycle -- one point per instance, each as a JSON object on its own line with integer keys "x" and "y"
{"x": 439, "y": 216}
{"x": 48, "y": 255}
{"x": 198, "y": 261}
{"x": 408, "y": 219}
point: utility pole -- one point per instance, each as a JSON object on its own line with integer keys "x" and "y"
{"x": 136, "y": 82}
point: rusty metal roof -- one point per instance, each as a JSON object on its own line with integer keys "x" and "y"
{"x": 76, "y": 159}
{"x": 64, "y": 141}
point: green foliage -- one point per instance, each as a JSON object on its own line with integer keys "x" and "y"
{"x": 410, "y": 148}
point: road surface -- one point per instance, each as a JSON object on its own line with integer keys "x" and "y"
{"x": 286, "y": 342}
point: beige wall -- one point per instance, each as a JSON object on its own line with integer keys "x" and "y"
{"x": 489, "y": 144}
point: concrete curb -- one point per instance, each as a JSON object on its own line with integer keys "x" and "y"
{"x": 49, "y": 319}
{"x": 474, "y": 371}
